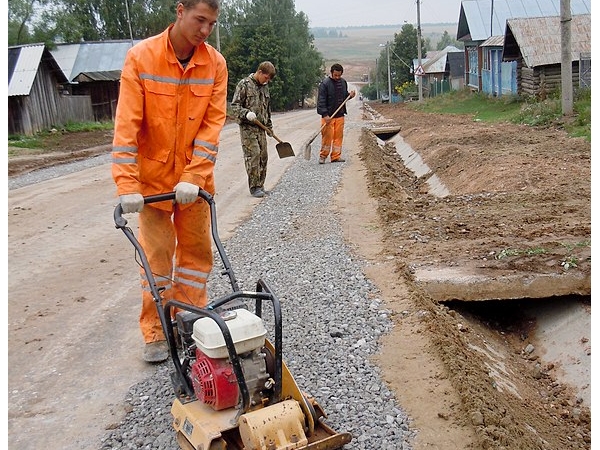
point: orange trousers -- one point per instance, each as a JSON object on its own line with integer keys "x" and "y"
{"x": 332, "y": 137}
{"x": 178, "y": 246}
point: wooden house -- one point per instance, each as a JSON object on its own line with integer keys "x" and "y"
{"x": 497, "y": 76}
{"x": 534, "y": 46}
{"x": 480, "y": 21}
{"x": 35, "y": 98}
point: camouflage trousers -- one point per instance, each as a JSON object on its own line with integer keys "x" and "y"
{"x": 254, "y": 146}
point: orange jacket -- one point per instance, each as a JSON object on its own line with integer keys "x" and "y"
{"x": 168, "y": 119}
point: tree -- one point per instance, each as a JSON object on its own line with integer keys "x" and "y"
{"x": 93, "y": 20}
{"x": 447, "y": 40}
{"x": 405, "y": 47}
{"x": 272, "y": 30}
{"x": 403, "y": 50}
{"x": 20, "y": 13}
{"x": 54, "y": 21}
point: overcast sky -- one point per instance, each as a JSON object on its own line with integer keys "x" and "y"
{"x": 341, "y": 13}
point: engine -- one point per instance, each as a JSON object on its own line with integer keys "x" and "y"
{"x": 212, "y": 374}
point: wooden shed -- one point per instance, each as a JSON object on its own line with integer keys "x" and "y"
{"x": 35, "y": 100}
{"x": 94, "y": 69}
{"x": 535, "y": 44}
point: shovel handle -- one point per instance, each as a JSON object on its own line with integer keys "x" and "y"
{"x": 257, "y": 122}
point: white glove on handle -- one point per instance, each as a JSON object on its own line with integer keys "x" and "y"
{"x": 186, "y": 192}
{"x": 251, "y": 117}
{"x": 132, "y": 203}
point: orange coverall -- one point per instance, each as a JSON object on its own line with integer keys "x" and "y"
{"x": 167, "y": 127}
{"x": 332, "y": 138}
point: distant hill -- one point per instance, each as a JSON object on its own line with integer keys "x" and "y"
{"x": 357, "y": 48}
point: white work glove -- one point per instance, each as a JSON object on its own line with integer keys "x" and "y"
{"x": 132, "y": 203}
{"x": 251, "y": 117}
{"x": 186, "y": 192}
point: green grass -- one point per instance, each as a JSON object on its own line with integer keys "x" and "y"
{"x": 508, "y": 252}
{"x": 88, "y": 126}
{"x": 38, "y": 139}
{"x": 24, "y": 142}
{"x": 568, "y": 262}
{"x": 516, "y": 110}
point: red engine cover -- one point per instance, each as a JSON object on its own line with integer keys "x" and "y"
{"x": 214, "y": 382}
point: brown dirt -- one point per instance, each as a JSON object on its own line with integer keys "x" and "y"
{"x": 58, "y": 148}
{"x": 515, "y": 190}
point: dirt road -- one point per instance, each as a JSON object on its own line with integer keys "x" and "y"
{"x": 465, "y": 380}
{"x": 73, "y": 295}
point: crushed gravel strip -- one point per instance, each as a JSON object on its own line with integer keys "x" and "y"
{"x": 58, "y": 170}
{"x": 332, "y": 315}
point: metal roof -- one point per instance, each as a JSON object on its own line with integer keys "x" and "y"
{"x": 539, "y": 41}
{"x": 23, "y": 65}
{"x": 494, "y": 41}
{"x": 92, "y": 57}
{"x": 108, "y": 75}
{"x": 26, "y": 61}
{"x": 437, "y": 63}
{"x": 477, "y": 23}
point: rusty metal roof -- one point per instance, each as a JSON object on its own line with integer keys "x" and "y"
{"x": 538, "y": 39}
{"x": 494, "y": 41}
{"x": 108, "y": 75}
{"x": 477, "y": 23}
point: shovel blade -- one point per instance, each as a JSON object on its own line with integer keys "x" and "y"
{"x": 284, "y": 150}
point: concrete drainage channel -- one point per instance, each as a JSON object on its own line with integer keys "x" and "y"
{"x": 412, "y": 160}
{"x": 562, "y": 331}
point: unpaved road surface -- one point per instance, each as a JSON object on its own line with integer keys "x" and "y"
{"x": 467, "y": 382}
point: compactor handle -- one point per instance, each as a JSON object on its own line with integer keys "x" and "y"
{"x": 120, "y": 221}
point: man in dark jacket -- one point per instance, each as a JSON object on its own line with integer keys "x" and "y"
{"x": 333, "y": 90}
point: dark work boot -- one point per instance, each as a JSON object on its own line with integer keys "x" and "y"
{"x": 155, "y": 352}
{"x": 258, "y": 192}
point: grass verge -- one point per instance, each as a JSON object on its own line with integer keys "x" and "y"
{"x": 513, "y": 109}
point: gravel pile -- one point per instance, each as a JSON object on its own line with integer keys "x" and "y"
{"x": 332, "y": 317}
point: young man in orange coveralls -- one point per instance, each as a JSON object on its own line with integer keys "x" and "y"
{"x": 333, "y": 90}
{"x": 171, "y": 109}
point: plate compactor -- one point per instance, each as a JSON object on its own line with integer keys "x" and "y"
{"x": 232, "y": 389}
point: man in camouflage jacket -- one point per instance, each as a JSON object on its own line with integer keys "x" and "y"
{"x": 251, "y": 103}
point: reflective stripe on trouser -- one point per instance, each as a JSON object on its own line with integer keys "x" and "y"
{"x": 332, "y": 138}
{"x": 186, "y": 281}
{"x": 254, "y": 145}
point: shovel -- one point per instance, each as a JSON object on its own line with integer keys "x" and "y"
{"x": 307, "y": 146}
{"x": 284, "y": 149}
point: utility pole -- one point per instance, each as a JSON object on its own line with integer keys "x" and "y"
{"x": 389, "y": 74}
{"x": 218, "y": 38}
{"x": 377, "y": 77}
{"x": 128, "y": 21}
{"x": 566, "y": 65}
{"x": 419, "y": 48}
